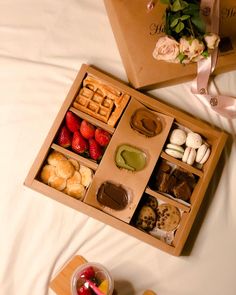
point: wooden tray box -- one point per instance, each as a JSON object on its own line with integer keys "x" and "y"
{"x": 215, "y": 138}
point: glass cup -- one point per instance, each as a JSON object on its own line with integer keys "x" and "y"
{"x": 91, "y": 278}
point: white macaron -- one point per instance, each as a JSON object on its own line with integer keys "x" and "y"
{"x": 178, "y": 136}
{"x": 203, "y": 153}
{"x": 193, "y": 140}
{"x": 174, "y": 150}
{"x": 189, "y": 155}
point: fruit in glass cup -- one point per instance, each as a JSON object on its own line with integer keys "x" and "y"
{"x": 91, "y": 279}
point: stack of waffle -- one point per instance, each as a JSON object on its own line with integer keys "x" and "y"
{"x": 101, "y": 101}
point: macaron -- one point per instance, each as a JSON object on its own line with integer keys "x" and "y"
{"x": 193, "y": 140}
{"x": 189, "y": 155}
{"x": 178, "y": 136}
{"x": 174, "y": 150}
{"x": 203, "y": 153}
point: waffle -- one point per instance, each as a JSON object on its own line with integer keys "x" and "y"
{"x": 100, "y": 100}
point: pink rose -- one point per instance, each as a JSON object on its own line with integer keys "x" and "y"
{"x": 191, "y": 48}
{"x": 166, "y": 49}
{"x": 212, "y": 40}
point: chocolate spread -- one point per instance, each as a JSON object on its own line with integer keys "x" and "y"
{"x": 146, "y": 122}
{"x": 112, "y": 196}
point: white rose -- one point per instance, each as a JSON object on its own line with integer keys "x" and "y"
{"x": 191, "y": 47}
{"x": 166, "y": 49}
{"x": 212, "y": 40}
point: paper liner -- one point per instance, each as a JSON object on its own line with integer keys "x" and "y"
{"x": 165, "y": 236}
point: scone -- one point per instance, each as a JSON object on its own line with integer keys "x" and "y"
{"x": 146, "y": 219}
{"x": 58, "y": 183}
{"x": 47, "y": 172}
{"x": 54, "y": 157}
{"x": 76, "y": 190}
{"x": 74, "y": 163}
{"x": 86, "y": 175}
{"x": 168, "y": 217}
{"x": 65, "y": 169}
{"x": 75, "y": 179}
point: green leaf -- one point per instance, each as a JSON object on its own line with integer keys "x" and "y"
{"x": 179, "y": 5}
{"x": 179, "y": 27}
{"x": 199, "y": 23}
{"x": 205, "y": 53}
{"x": 174, "y": 23}
{"x": 184, "y": 17}
{"x": 192, "y": 9}
{"x": 181, "y": 57}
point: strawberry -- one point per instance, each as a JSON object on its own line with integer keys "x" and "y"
{"x": 95, "y": 150}
{"x": 83, "y": 291}
{"x": 102, "y": 136}
{"x": 64, "y": 137}
{"x": 79, "y": 144}
{"x": 72, "y": 121}
{"x": 88, "y": 273}
{"x": 87, "y": 130}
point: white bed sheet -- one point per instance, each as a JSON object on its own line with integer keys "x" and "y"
{"x": 42, "y": 46}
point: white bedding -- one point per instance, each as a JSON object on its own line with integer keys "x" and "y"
{"x": 42, "y": 46}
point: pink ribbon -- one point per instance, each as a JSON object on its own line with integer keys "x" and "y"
{"x": 221, "y": 104}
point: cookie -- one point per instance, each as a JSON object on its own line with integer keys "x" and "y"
{"x": 193, "y": 140}
{"x": 178, "y": 136}
{"x": 168, "y": 217}
{"x": 203, "y": 154}
{"x": 151, "y": 202}
{"x": 189, "y": 155}
{"x": 146, "y": 219}
{"x": 174, "y": 150}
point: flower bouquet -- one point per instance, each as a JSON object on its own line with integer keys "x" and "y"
{"x": 186, "y": 39}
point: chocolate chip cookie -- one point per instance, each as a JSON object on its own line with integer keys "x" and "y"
{"x": 146, "y": 218}
{"x": 151, "y": 202}
{"x": 168, "y": 217}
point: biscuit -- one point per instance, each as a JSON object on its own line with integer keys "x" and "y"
{"x": 74, "y": 163}
{"x": 76, "y": 190}
{"x": 58, "y": 183}
{"x": 75, "y": 179}
{"x": 86, "y": 175}
{"x": 65, "y": 169}
{"x": 54, "y": 157}
{"x": 146, "y": 219}
{"x": 168, "y": 217}
{"x": 47, "y": 172}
